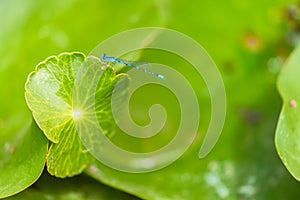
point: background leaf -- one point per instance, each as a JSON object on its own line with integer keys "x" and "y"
{"x": 248, "y": 40}
{"x": 288, "y": 129}
{"x": 77, "y": 188}
{"x": 22, "y": 156}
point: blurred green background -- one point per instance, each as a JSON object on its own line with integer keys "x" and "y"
{"x": 248, "y": 40}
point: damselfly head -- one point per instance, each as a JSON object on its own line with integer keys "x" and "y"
{"x": 104, "y": 56}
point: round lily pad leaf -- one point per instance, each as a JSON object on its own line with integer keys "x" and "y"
{"x": 49, "y": 93}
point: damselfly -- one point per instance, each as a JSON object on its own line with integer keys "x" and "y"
{"x": 133, "y": 64}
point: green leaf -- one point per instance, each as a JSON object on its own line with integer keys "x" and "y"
{"x": 288, "y": 129}
{"x": 244, "y": 163}
{"x": 23, "y": 149}
{"x": 49, "y": 93}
